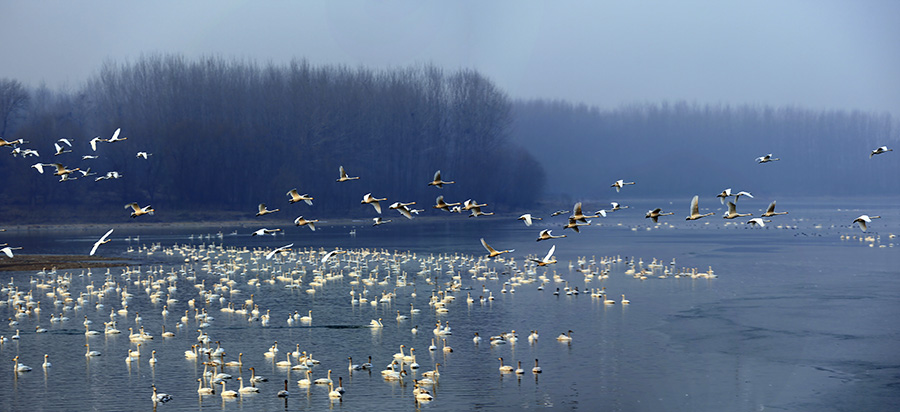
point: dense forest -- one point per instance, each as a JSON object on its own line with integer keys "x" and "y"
{"x": 225, "y": 135}
{"x": 685, "y": 149}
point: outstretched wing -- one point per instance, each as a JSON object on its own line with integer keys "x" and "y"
{"x": 695, "y": 205}
{"x": 732, "y": 209}
{"x": 488, "y": 247}
{"x": 549, "y": 254}
{"x": 100, "y": 242}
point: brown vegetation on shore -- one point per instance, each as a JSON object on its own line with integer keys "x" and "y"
{"x": 39, "y": 262}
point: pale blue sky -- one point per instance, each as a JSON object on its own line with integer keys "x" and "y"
{"x": 816, "y": 54}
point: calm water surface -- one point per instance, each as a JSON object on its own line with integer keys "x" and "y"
{"x": 797, "y": 319}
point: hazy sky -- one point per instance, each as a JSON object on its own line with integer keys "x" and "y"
{"x": 819, "y": 54}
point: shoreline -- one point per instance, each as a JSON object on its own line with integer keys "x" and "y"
{"x": 23, "y": 263}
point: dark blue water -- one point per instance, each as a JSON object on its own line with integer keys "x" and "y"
{"x": 801, "y": 317}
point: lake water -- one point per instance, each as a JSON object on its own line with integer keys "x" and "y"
{"x": 801, "y": 317}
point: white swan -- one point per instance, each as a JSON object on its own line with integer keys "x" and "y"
{"x": 863, "y": 220}
{"x": 90, "y": 353}
{"x": 296, "y": 197}
{"x": 333, "y": 394}
{"x": 492, "y": 253}
{"x": 565, "y": 337}
{"x": 436, "y": 181}
{"x": 695, "y": 209}
{"x": 770, "y": 211}
{"x": 547, "y": 260}
{"x": 202, "y": 390}
{"x": 344, "y": 176}
{"x": 732, "y": 212}
{"x": 618, "y": 184}
{"x": 880, "y": 150}
{"x": 265, "y": 211}
{"x": 307, "y": 318}
{"x": 547, "y": 234}
{"x": 246, "y": 389}
{"x": 305, "y": 381}
{"x": 19, "y": 367}
{"x": 160, "y": 397}
{"x": 505, "y": 368}
{"x": 324, "y": 381}
{"x": 528, "y": 219}
{"x": 767, "y": 158}
{"x": 227, "y": 393}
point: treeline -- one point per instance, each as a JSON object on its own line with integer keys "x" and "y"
{"x": 227, "y": 135}
{"x": 685, "y": 149}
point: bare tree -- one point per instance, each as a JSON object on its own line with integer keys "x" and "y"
{"x": 13, "y": 98}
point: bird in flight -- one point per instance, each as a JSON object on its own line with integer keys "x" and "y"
{"x": 300, "y": 221}
{"x": 863, "y": 220}
{"x": 139, "y": 211}
{"x": 547, "y": 260}
{"x": 344, "y": 176}
{"x": 494, "y": 252}
{"x": 296, "y": 197}
{"x": 880, "y": 150}
{"x": 263, "y": 211}
{"x": 770, "y": 211}
{"x": 695, "y": 209}
{"x": 372, "y": 200}
{"x": 104, "y": 239}
{"x": 618, "y": 184}
{"x": 733, "y": 213}
{"x": 547, "y": 234}
{"x": 758, "y": 221}
{"x": 438, "y": 182}
{"x": 528, "y": 218}
{"x": 284, "y": 248}
{"x": 656, "y": 213}
{"x": 440, "y": 204}
{"x": 766, "y": 159}
{"x": 265, "y": 231}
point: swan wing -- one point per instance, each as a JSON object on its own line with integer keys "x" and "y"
{"x": 549, "y": 254}
{"x": 527, "y": 218}
{"x": 695, "y": 205}
{"x": 102, "y": 239}
{"x": 488, "y": 247}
